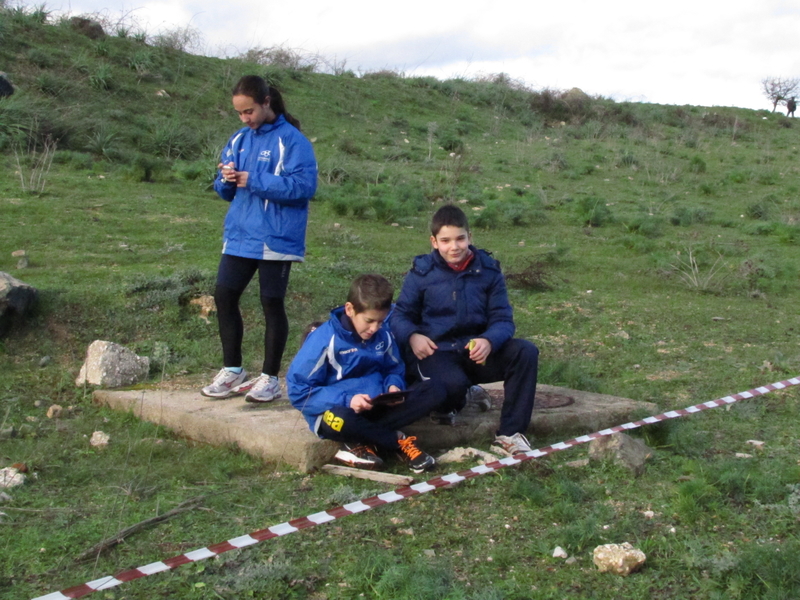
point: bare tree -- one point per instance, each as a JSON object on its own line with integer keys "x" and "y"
{"x": 779, "y": 89}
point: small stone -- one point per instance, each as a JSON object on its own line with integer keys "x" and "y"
{"x": 756, "y": 443}
{"x": 622, "y": 559}
{"x": 5, "y": 497}
{"x": 99, "y": 439}
{"x": 461, "y": 454}
{"x": 743, "y": 455}
{"x": 23, "y": 263}
{"x": 19, "y": 253}
{"x": 55, "y": 411}
{"x": 31, "y": 419}
{"x": 408, "y": 531}
{"x": 7, "y": 433}
{"x": 429, "y": 553}
{"x": 38, "y": 403}
{"x": 571, "y": 560}
{"x": 649, "y": 514}
{"x": 559, "y": 552}
{"x": 11, "y": 477}
{"x": 44, "y": 361}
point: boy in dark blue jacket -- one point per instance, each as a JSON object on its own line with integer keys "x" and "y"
{"x": 454, "y": 319}
{"x": 343, "y": 365}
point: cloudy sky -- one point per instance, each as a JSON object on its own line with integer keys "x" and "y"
{"x": 701, "y": 52}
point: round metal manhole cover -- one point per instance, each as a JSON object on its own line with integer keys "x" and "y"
{"x": 543, "y": 399}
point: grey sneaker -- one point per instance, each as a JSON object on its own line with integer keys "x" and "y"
{"x": 225, "y": 384}
{"x": 511, "y": 444}
{"x": 264, "y": 388}
{"x": 480, "y": 397}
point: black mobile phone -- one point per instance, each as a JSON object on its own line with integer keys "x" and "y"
{"x": 389, "y": 397}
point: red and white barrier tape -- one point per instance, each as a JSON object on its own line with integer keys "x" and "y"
{"x": 325, "y": 516}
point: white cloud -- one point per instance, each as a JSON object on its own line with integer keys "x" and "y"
{"x": 684, "y": 52}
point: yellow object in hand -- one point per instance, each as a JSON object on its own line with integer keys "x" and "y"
{"x": 470, "y": 346}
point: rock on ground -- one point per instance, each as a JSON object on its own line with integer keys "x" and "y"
{"x": 622, "y": 559}
{"x": 621, "y": 449}
{"x": 111, "y": 365}
{"x": 17, "y": 299}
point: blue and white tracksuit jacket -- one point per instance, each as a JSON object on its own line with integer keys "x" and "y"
{"x": 335, "y": 364}
{"x": 267, "y": 219}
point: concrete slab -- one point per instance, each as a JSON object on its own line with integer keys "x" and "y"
{"x": 277, "y": 432}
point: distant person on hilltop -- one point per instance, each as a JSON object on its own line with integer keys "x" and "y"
{"x": 791, "y": 105}
{"x": 269, "y": 174}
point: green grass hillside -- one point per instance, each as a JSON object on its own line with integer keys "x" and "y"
{"x": 651, "y": 253}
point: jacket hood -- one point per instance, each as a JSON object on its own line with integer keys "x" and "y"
{"x": 339, "y": 329}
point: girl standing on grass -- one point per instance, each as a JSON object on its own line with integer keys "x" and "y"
{"x": 269, "y": 174}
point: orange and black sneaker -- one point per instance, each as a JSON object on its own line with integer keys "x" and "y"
{"x": 360, "y": 456}
{"x": 417, "y": 460}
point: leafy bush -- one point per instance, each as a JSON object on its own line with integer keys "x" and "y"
{"x": 697, "y": 165}
{"x": 51, "y": 85}
{"x": 102, "y": 77}
{"x": 488, "y": 217}
{"x": 627, "y": 160}
{"x": 646, "y": 225}
{"x": 592, "y": 211}
{"x": 449, "y": 141}
{"x": 180, "y": 39}
{"x": 41, "y": 58}
{"x": 759, "y": 210}
{"x": 685, "y": 216}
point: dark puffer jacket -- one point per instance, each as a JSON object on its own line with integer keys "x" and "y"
{"x": 453, "y": 307}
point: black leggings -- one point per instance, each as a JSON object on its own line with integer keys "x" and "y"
{"x": 232, "y": 279}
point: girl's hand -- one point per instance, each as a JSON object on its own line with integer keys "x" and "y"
{"x": 241, "y": 178}
{"x": 228, "y": 172}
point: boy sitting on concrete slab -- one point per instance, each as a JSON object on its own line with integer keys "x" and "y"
{"x": 343, "y": 365}
{"x": 454, "y": 319}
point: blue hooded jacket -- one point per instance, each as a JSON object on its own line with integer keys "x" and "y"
{"x": 267, "y": 219}
{"x": 335, "y": 364}
{"x": 452, "y": 307}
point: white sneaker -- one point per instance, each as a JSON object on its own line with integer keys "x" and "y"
{"x": 264, "y": 388}
{"x": 511, "y": 444}
{"x": 224, "y": 384}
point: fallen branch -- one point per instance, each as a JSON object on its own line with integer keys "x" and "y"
{"x": 379, "y": 476}
{"x": 109, "y": 543}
